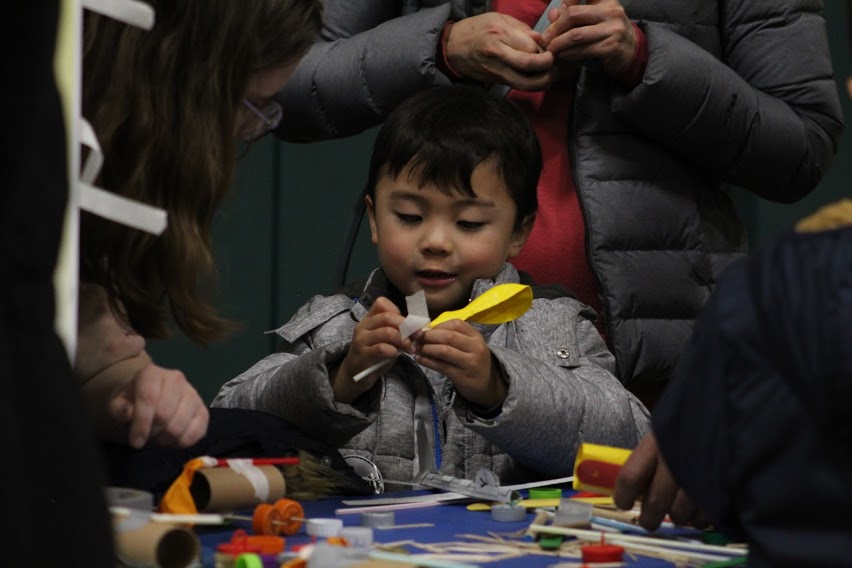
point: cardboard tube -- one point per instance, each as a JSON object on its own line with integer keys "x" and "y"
{"x": 221, "y": 489}
{"x": 158, "y": 544}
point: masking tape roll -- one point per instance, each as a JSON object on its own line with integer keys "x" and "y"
{"x": 508, "y": 513}
{"x": 130, "y": 498}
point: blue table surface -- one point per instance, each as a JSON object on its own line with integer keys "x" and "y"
{"x": 449, "y": 520}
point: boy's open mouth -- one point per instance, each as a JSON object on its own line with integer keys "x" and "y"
{"x": 434, "y": 277}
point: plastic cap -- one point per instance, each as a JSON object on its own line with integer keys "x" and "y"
{"x": 508, "y": 513}
{"x": 357, "y": 537}
{"x": 248, "y": 560}
{"x": 573, "y": 513}
{"x": 378, "y": 519}
{"x": 602, "y": 553}
{"x": 324, "y": 527}
{"x": 546, "y": 493}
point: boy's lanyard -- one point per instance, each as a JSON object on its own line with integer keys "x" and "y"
{"x": 436, "y": 424}
{"x": 429, "y": 453}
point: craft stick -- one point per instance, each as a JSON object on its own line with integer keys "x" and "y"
{"x": 260, "y": 461}
{"x": 199, "y": 519}
{"x": 408, "y": 526}
{"x": 615, "y": 514}
{"x": 412, "y": 559}
{"x": 618, "y": 525}
{"x": 249, "y": 519}
{"x": 397, "y": 507}
{"x": 622, "y": 539}
{"x": 371, "y": 502}
{"x": 363, "y": 374}
{"x": 670, "y": 553}
{"x": 520, "y": 486}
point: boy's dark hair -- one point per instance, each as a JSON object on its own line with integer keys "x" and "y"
{"x": 445, "y": 132}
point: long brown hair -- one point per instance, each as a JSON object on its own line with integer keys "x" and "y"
{"x": 163, "y": 104}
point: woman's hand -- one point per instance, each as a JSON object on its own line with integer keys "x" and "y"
{"x": 597, "y": 30}
{"x": 496, "y": 48}
{"x": 159, "y": 405}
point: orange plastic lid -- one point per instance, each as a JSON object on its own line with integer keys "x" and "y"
{"x": 266, "y": 520}
{"x": 267, "y": 544}
{"x": 236, "y": 548}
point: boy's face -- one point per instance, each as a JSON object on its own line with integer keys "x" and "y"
{"x": 441, "y": 243}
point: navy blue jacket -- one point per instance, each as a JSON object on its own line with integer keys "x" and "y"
{"x": 755, "y": 424}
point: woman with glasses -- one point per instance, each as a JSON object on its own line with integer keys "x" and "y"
{"x": 170, "y": 106}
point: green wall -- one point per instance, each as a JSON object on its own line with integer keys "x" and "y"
{"x": 279, "y": 237}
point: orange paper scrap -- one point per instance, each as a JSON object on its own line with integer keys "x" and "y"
{"x": 178, "y": 499}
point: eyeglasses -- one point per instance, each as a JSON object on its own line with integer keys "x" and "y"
{"x": 261, "y": 123}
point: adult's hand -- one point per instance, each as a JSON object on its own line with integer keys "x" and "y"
{"x": 597, "y": 30}
{"x": 159, "y": 405}
{"x": 646, "y": 475}
{"x": 496, "y": 48}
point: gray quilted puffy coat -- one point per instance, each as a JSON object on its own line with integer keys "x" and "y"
{"x": 561, "y": 392}
{"x": 737, "y": 92}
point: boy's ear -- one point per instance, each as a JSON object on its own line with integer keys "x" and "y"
{"x": 520, "y": 236}
{"x": 371, "y": 214}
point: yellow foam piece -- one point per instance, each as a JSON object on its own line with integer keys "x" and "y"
{"x": 602, "y": 501}
{"x": 500, "y": 304}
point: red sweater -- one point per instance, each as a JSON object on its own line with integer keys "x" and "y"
{"x": 556, "y": 249}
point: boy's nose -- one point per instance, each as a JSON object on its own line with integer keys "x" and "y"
{"x": 436, "y": 240}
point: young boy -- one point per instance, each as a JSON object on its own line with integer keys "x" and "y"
{"x": 451, "y": 197}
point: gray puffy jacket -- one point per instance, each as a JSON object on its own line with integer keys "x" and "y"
{"x": 561, "y": 392}
{"x": 735, "y": 92}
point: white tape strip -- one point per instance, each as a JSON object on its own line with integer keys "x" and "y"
{"x": 254, "y": 476}
{"x": 93, "y": 164}
{"x": 418, "y": 318}
{"x": 418, "y": 314}
{"x": 130, "y": 12}
{"x": 122, "y": 210}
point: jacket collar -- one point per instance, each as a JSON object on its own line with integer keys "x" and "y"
{"x": 378, "y": 285}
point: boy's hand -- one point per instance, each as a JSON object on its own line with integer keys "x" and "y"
{"x": 456, "y": 350}
{"x": 159, "y": 405}
{"x": 376, "y": 338}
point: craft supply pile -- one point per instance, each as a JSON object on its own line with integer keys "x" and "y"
{"x": 235, "y": 513}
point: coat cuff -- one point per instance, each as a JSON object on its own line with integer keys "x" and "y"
{"x": 441, "y": 60}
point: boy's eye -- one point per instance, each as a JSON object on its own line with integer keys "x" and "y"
{"x": 408, "y": 219}
{"x": 471, "y": 225}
